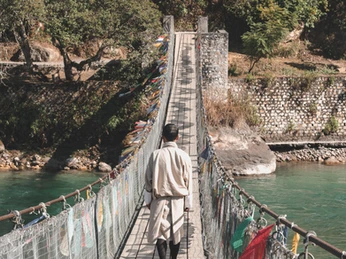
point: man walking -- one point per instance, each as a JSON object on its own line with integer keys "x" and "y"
{"x": 168, "y": 185}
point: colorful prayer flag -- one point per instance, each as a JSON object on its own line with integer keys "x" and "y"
{"x": 255, "y": 250}
{"x": 295, "y": 242}
{"x": 238, "y": 236}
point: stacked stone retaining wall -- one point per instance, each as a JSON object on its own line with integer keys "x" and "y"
{"x": 326, "y": 155}
{"x": 213, "y": 60}
{"x": 294, "y": 109}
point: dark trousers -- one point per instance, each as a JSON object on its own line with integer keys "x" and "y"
{"x": 161, "y": 246}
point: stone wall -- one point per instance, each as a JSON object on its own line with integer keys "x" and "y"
{"x": 295, "y": 108}
{"x": 212, "y": 49}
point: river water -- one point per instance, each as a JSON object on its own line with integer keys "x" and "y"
{"x": 312, "y": 196}
{"x": 21, "y": 190}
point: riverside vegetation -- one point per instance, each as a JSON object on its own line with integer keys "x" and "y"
{"x": 75, "y": 114}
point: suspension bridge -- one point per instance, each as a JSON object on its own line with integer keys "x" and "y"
{"x": 114, "y": 222}
{"x": 182, "y": 112}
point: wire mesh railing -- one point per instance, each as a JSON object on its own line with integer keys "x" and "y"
{"x": 97, "y": 227}
{"x": 230, "y": 229}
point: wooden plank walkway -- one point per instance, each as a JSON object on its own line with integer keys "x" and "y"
{"x": 181, "y": 111}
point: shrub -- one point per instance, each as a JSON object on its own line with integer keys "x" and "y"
{"x": 290, "y": 127}
{"x": 307, "y": 80}
{"x": 293, "y": 81}
{"x": 288, "y": 50}
{"x": 230, "y": 112}
{"x": 330, "y": 81}
{"x": 332, "y": 126}
{"x": 268, "y": 80}
{"x": 328, "y": 70}
{"x": 233, "y": 70}
{"x": 250, "y": 78}
{"x": 288, "y": 72}
{"x": 312, "y": 108}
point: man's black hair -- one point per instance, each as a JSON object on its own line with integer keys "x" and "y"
{"x": 170, "y": 132}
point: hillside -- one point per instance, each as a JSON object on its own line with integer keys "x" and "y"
{"x": 300, "y": 61}
{"x": 60, "y": 120}
{"x": 77, "y": 119}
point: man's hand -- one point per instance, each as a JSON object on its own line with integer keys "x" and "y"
{"x": 148, "y": 205}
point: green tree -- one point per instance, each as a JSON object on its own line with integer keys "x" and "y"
{"x": 19, "y": 17}
{"x": 330, "y": 33}
{"x": 126, "y": 23}
{"x": 240, "y": 15}
{"x": 307, "y": 12}
{"x": 264, "y": 36}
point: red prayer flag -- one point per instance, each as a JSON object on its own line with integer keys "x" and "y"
{"x": 255, "y": 250}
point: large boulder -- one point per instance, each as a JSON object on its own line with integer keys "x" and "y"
{"x": 72, "y": 162}
{"x": 41, "y": 52}
{"x": 242, "y": 152}
{"x": 103, "y": 167}
{"x": 331, "y": 161}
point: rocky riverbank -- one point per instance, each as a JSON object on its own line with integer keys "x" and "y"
{"x": 325, "y": 155}
{"x": 243, "y": 152}
{"x": 18, "y": 161}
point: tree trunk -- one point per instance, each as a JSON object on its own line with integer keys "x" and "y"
{"x": 23, "y": 41}
{"x": 253, "y": 62}
{"x": 68, "y": 64}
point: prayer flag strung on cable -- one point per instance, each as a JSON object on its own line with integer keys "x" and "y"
{"x": 153, "y": 91}
{"x": 255, "y": 250}
{"x": 295, "y": 242}
{"x": 205, "y": 153}
{"x": 238, "y": 236}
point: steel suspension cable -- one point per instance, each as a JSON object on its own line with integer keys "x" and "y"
{"x": 263, "y": 208}
{"x": 48, "y": 203}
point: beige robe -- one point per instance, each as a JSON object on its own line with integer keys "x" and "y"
{"x": 169, "y": 181}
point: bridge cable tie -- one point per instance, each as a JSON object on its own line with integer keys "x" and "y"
{"x": 65, "y": 204}
{"x": 33, "y": 211}
{"x": 101, "y": 182}
{"x": 91, "y": 193}
{"x": 310, "y": 233}
{"x": 278, "y": 222}
{"x": 17, "y": 220}
{"x": 262, "y": 207}
{"x": 44, "y": 210}
{"x": 78, "y": 198}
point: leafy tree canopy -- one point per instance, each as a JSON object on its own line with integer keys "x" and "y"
{"x": 14, "y": 13}
{"x": 264, "y": 36}
{"x": 71, "y": 23}
{"x": 127, "y": 23}
{"x": 18, "y": 17}
{"x": 330, "y": 32}
{"x": 269, "y": 21}
{"x": 300, "y": 11}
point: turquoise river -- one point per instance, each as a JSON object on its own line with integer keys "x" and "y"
{"x": 21, "y": 190}
{"x": 311, "y": 195}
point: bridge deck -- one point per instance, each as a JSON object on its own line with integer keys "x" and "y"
{"x": 181, "y": 111}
